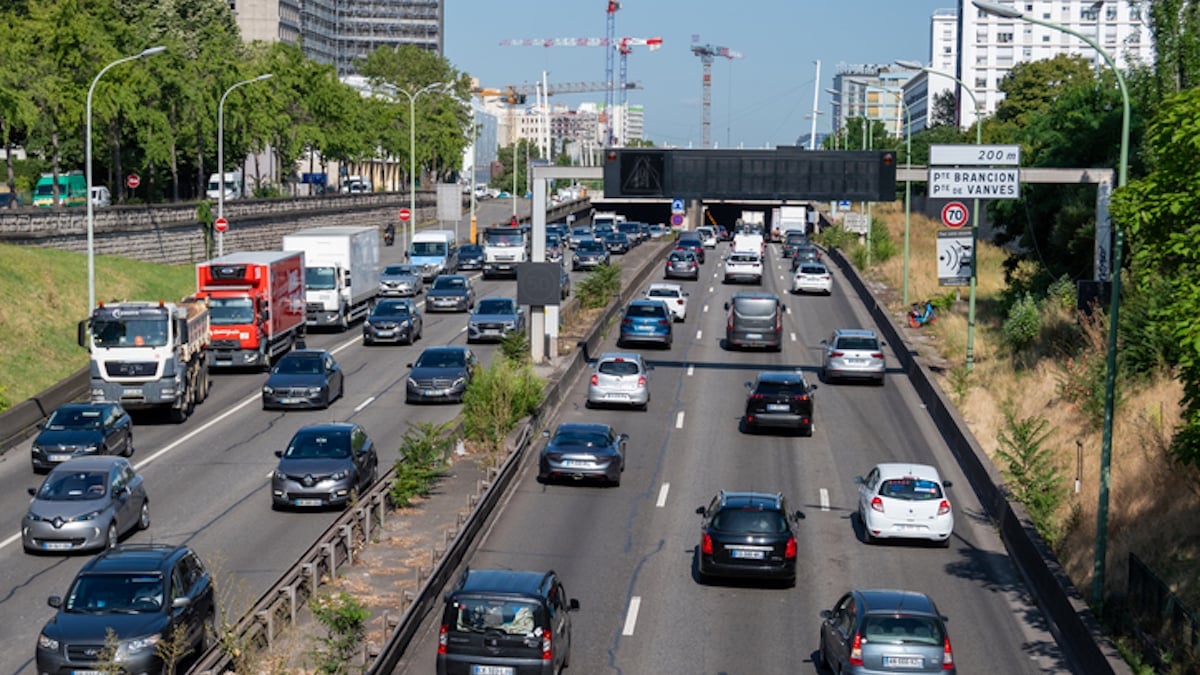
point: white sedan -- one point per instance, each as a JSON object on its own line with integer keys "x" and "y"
{"x": 812, "y": 278}
{"x": 673, "y": 295}
{"x": 904, "y": 501}
{"x": 744, "y": 266}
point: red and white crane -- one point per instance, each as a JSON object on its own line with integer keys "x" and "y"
{"x": 706, "y": 54}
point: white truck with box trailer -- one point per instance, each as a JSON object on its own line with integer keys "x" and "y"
{"x": 148, "y": 355}
{"x": 790, "y": 218}
{"x": 341, "y": 272}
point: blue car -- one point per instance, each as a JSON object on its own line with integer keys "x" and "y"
{"x": 646, "y": 321}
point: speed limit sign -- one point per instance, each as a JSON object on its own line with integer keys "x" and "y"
{"x": 955, "y": 214}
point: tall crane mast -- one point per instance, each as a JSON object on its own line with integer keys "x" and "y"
{"x": 610, "y": 34}
{"x": 707, "y": 53}
{"x": 622, "y": 46}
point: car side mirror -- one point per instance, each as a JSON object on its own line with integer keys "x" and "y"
{"x": 812, "y": 387}
{"x": 700, "y": 510}
{"x": 858, "y": 480}
{"x": 727, "y": 305}
{"x": 41, "y": 426}
{"x": 545, "y": 433}
{"x": 783, "y": 308}
{"x": 54, "y": 601}
{"x": 947, "y": 484}
{"x": 180, "y": 603}
{"x": 800, "y": 515}
{"x": 573, "y": 605}
{"x": 623, "y": 437}
{"x": 279, "y": 453}
{"x": 408, "y": 365}
{"x": 32, "y": 492}
{"x": 825, "y": 614}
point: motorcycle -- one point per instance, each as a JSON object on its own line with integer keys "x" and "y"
{"x": 918, "y": 316}
{"x": 389, "y": 237}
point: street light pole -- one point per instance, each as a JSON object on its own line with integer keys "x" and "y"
{"x": 412, "y": 153}
{"x": 87, "y": 164}
{"x": 221, "y": 154}
{"x": 1110, "y": 378}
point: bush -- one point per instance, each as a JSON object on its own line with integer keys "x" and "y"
{"x": 497, "y": 398}
{"x": 599, "y": 286}
{"x": 515, "y": 347}
{"x": 1020, "y": 329}
{"x": 345, "y": 621}
{"x": 424, "y": 451}
{"x": 1029, "y": 466}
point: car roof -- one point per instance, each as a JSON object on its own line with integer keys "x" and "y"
{"x": 98, "y": 405}
{"x": 595, "y": 427}
{"x": 134, "y": 558}
{"x": 663, "y": 286}
{"x": 444, "y": 348}
{"x": 781, "y": 376}
{"x": 762, "y": 500}
{"x": 305, "y": 353}
{"x": 619, "y": 356}
{"x": 812, "y": 265}
{"x": 903, "y": 470}
{"x": 755, "y": 295}
{"x": 502, "y": 581}
{"x": 877, "y": 600}
{"x": 646, "y": 301}
{"x": 328, "y": 426}
{"x": 854, "y": 332}
{"x": 93, "y": 463}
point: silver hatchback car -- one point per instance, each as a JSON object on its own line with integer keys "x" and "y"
{"x": 853, "y": 353}
{"x": 85, "y": 503}
{"x": 620, "y": 378}
{"x": 880, "y": 631}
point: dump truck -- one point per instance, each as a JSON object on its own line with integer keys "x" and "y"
{"x": 256, "y": 306}
{"x": 149, "y": 355}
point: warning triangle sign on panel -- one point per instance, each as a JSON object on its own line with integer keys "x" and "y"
{"x": 643, "y": 178}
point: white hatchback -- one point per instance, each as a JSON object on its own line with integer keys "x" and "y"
{"x": 672, "y": 294}
{"x": 904, "y": 501}
{"x": 812, "y": 278}
{"x": 743, "y": 266}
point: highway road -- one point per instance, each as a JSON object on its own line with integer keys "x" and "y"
{"x": 208, "y": 479}
{"x": 627, "y": 553}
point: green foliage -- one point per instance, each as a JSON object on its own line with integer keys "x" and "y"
{"x": 1061, "y": 293}
{"x": 599, "y": 286}
{"x": 1029, "y": 467}
{"x": 497, "y": 398}
{"x": 345, "y": 621}
{"x": 1020, "y": 327}
{"x": 1081, "y": 383}
{"x": 424, "y": 451}
{"x": 883, "y": 247}
{"x": 515, "y": 347}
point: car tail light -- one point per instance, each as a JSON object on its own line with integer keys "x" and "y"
{"x": 547, "y": 646}
{"x": 664, "y": 322}
{"x": 729, "y": 323}
{"x": 800, "y": 397}
{"x": 877, "y": 504}
{"x": 445, "y": 629}
{"x": 756, "y": 397}
{"x": 679, "y": 301}
{"x": 626, "y": 322}
{"x": 947, "y": 654}
{"x": 706, "y": 546}
{"x": 943, "y": 508}
{"x": 595, "y": 380}
{"x": 789, "y": 551}
{"x": 836, "y": 355}
{"x": 877, "y": 355}
{"x": 856, "y": 650}
{"x": 641, "y": 380}
{"x": 778, "y": 321}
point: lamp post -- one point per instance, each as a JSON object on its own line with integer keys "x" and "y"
{"x": 91, "y": 212}
{"x": 974, "y": 209}
{"x": 837, "y": 116}
{"x": 412, "y": 152}
{"x": 221, "y": 153}
{"x": 1110, "y": 378}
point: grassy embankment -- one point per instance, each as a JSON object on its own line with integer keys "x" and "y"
{"x": 44, "y": 295}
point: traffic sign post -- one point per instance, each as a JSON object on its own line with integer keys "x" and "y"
{"x": 955, "y": 214}
{"x": 221, "y": 225}
{"x": 676, "y": 219}
{"x": 132, "y": 181}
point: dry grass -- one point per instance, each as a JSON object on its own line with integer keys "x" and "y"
{"x": 1152, "y": 501}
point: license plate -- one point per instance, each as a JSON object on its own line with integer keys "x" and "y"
{"x": 87, "y": 672}
{"x": 746, "y": 554}
{"x": 903, "y": 662}
{"x": 857, "y": 362}
{"x": 576, "y": 464}
{"x": 492, "y": 670}
{"x": 754, "y": 336}
{"x": 59, "y": 458}
{"x": 288, "y": 401}
{"x": 132, "y": 391}
{"x": 778, "y": 407}
{"x": 56, "y": 545}
{"x": 617, "y": 397}
{"x": 385, "y": 333}
{"x": 307, "y": 502}
{"x": 645, "y": 329}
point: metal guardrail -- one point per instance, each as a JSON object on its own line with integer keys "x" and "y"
{"x": 1159, "y": 616}
{"x": 18, "y": 422}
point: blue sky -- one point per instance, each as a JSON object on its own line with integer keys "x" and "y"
{"x": 761, "y": 100}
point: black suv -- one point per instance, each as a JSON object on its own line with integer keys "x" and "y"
{"x": 505, "y": 621}
{"x": 144, "y": 593}
{"x": 779, "y": 400}
{"x": 747, "y": 535}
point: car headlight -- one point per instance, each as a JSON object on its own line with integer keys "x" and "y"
{"x": 47, "y": 642}
{"x": 129, "y": 648}
{"x": 268, "y": 390}
{"x": 413, "y": 383}
{"x": 313, "y": 391}
{"x": 279, "y": 475}
{"x": 340, "y": 475}
{"x": 459, "y": 382}
{"x": 510, "y": 325}
{"x": 94, "y": 447}
{"x": 88, "y": 516}
{"x": 33, "y": 516}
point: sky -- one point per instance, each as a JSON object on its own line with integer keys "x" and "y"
{"x": 761, "y": 100}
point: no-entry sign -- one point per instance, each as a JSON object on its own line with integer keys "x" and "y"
{"x": 405, "y": 214}
{"x": 133, "y": 180}
{"x": 220, "y": 225}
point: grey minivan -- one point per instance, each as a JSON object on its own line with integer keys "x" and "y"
{"x": 505, "y": 621}
{"x": 755, "y": 319}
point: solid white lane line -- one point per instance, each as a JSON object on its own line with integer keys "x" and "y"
{"x": 631, "y": 616}
{"x": 369, "y": 401}
{"x": 824, "y": 499}
{"x": 662, "y": 495}
{"x": 679, "y": 420}
{"x": 691, "y": 369}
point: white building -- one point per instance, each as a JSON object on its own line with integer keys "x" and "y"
{"x": 870, "y": 90}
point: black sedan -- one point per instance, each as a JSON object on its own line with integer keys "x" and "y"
{"x": 324, "y": 465}
{"x": 450, "y": 292}
{"x": 617, "y": 242}
{"x": 303, "y": 378}
{"x": 79, "y": 429}
{"x": 470, "y": 257}
{"x": 589, "y": 255}
{"x": 780, "y": 400}
{"x": 440, "y": 374}
{"x": 581, "y": 450}
{"x": 393, "y": 321}
{"x": 747, "y": 535}
{"x": 682, "y": 264}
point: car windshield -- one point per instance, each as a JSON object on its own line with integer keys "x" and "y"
{"x": 865, "y": 343}
{"x": 391, "y": 310}
{"x": 648, "y": 311}
{"x": 755, "y": 307}
{"x": 898, "y": 629}
{"x": 743, "y": 258}
{"x": 911, "y": 489}
{"x": 581, "y": 232}
{"x": 679, "y": 256}
{"x": 470, "y": 249}
{"x": 74, "y": 486}
{"x": 495, "y": 306}
{"x": 130, "y": 332}
{"x": 320, "y": 278}
{"x": 781, "y": 388}
{"x": 590, "y": 247}
{"x": 663, "y": 293}
{"x": 442, "y": 283}
{"x": 507, "y": 237}
{"x": 319, "y": 445}
{"x": 441, "y": 359}
{"x": 621, "y": 367}
{"x": 123, "y": 593}
{"x": 230, "y": 311}
{"x": 812, "y": 269}
{"x": 299, "y": 365}
{"x": 795, "y": 238}
{"x": 397, "y": 270}
{"x": 493, "y": 614}
{"x": 581, "y": 437}
{"x": 74, "y": 418}
{"x": 749, "y": 520}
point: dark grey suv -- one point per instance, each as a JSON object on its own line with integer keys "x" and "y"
{"x": 144, "y": 594}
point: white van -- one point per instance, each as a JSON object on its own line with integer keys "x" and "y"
{"x": 434, "y": 252}
{"x": 100, "y": 196}
{"x": 231, "y": 182}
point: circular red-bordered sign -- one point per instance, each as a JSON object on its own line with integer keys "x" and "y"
{"x": 220, "y": 225}
{"x": 133, "y": 180}
{"x": 405, "y": 214}
{"x": 955, "y": 214}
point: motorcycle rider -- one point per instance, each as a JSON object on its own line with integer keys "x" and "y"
{"x": 389, "y": 234}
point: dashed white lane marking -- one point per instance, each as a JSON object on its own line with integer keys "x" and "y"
{"x": 631, "y": 616}
{"x": 705, "y": 308}
{"x": 699, "y": 334}
{"x": 691, "y": 369}
{"x": 662, "y": 495}
{"x": 364, "y": 404}
{"x": 793, "y": 337}
{"x": 679, "y": 420}
{"x": 824, "y": 499}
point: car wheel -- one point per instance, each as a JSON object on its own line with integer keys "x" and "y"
{"x": 128, "y": 452}
{"x": 822, "y": 660}
{"x": 144, "y": 517}
{"x": 945, "y": 543}
{"x": 867, "y": 537}
{"x": 208, "y": 636}
{"x": 808, "y": 430}
{"x": 112, "y": 536}
{"x": 644, "y": 406}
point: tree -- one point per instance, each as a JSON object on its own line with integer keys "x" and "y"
{"x": 944, "y": 109}
{"x": 1175, "y": 25}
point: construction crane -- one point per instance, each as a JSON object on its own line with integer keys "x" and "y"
{"x": 622, "y": 46}
{"x": 610, "y": 33}
{"x": 707, "y": 53}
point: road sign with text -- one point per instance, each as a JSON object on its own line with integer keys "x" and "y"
{"x": 977, "y": 183}
{"x": 975, "y": 155}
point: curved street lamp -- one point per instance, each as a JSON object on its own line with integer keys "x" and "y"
{"x": 221, "y": 153}
{"x": 1110, "y": 377}
{"x": 91, "y": 212}
{"x": 412, "y": 151}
